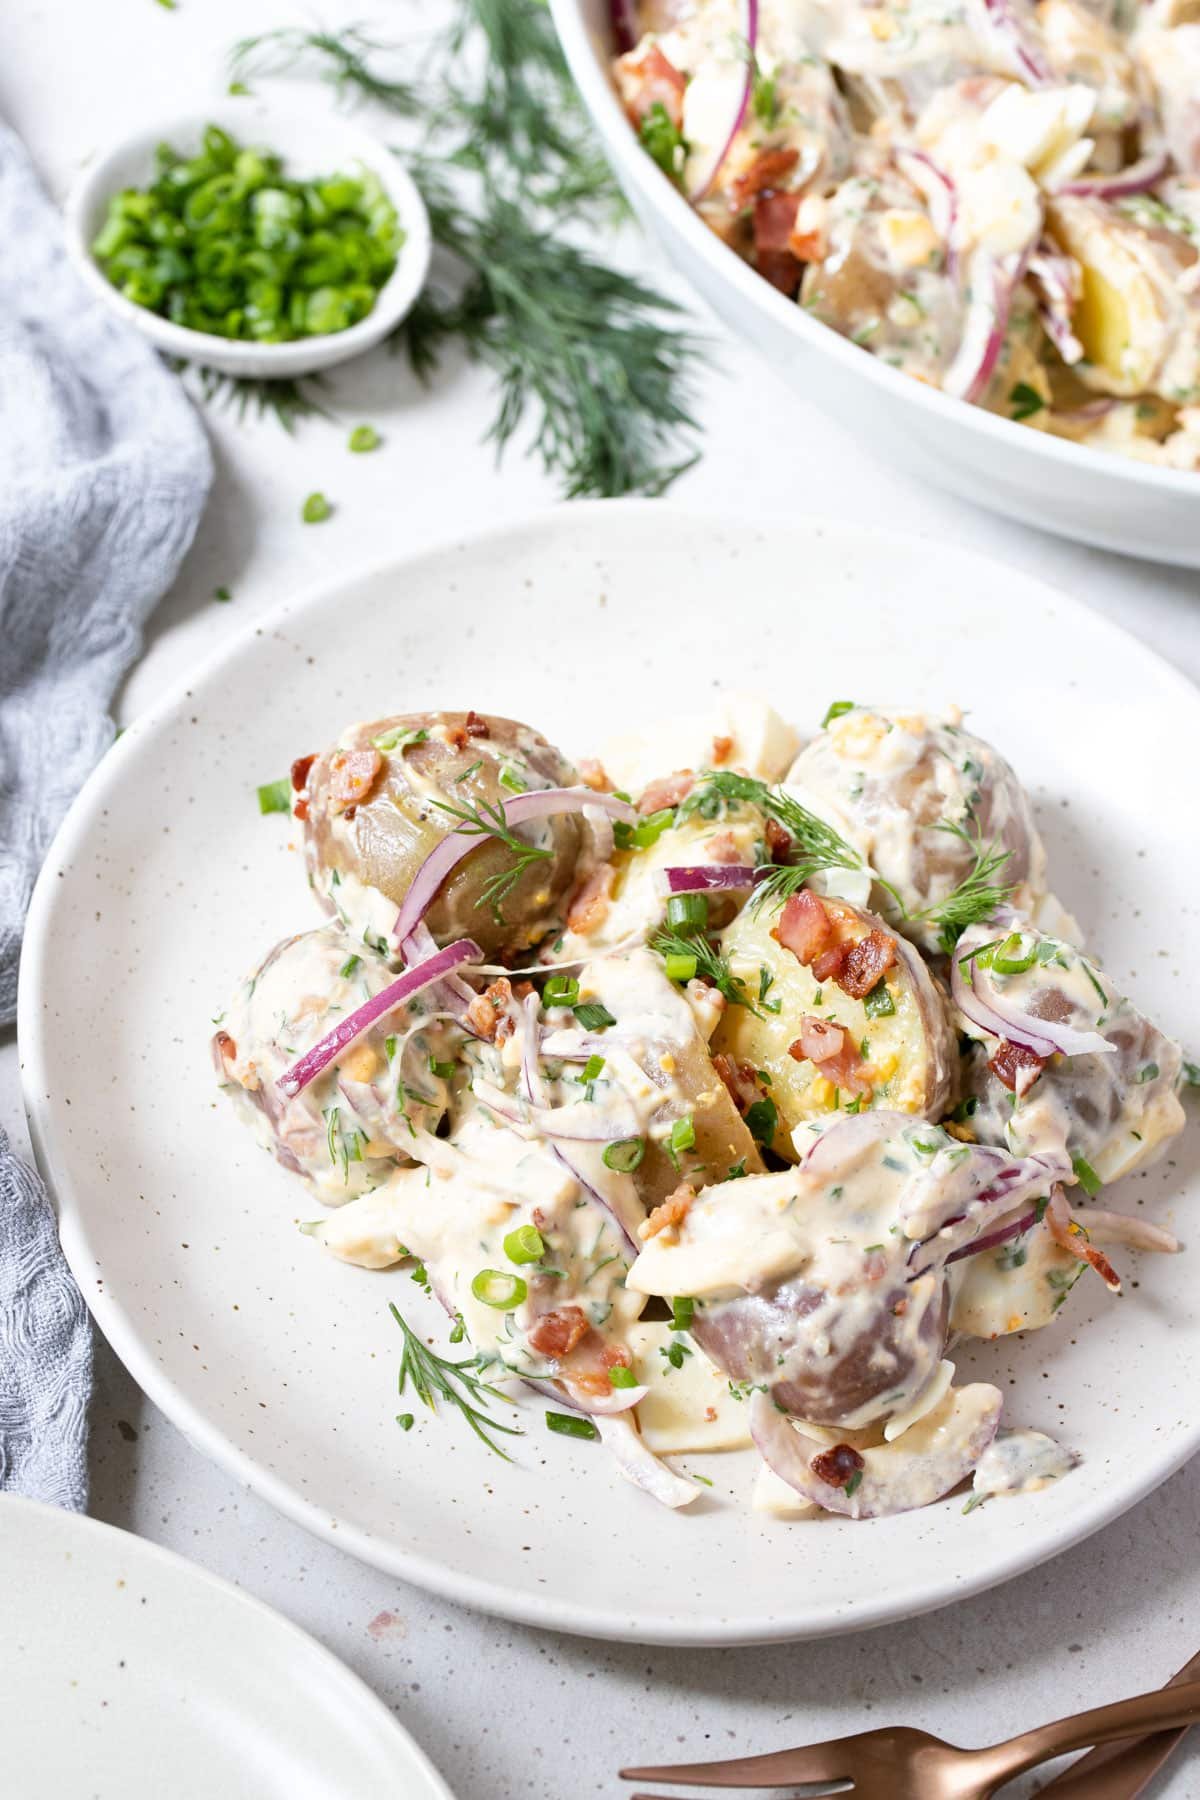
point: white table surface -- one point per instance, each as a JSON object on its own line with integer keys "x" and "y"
{"x": 507, "y": 1711}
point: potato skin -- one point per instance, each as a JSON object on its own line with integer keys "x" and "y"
{"x": 382, "y": 841}
{"x": 912, "y": 1050}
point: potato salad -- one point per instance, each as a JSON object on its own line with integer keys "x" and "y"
{"x": 717, "y": 1085}
{"x": 998, "y": 197}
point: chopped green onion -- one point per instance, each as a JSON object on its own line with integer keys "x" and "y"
{"x": 879, "y": 1003}
{"x": 678, "y": 966}
{"x": 622, "y": 1377}
{"x": 560, "y": 990}
{"x": 836, "y": 710}
{"x": 524, "y": 1245}
{"x": 1016, "y": 954}
{"x": 494, "y": 1288}
{"x": 1086, "y": 1176}
{"x": 852, "y": 1486}
{"x": 570, "y": 1425}
{"x": 683, "y": 1311}
{"x": 1148, "y": 1072}
{"x": 362, "y": 439}
{"x": 398, "y": 739}
{"x": 349, "y": 966}
{"x": 315, "y": 509}
{"x": 646, "y": 833}
{"x": 593, "y": 1016}
{"x": 404, "y": 1421}
{"x": 683, "y": 1135}
{"x": 443, "y": 1070}
{"x": 222, "y": 593}
{"x": 593, "y": 1068}
{"x": 687, "y": 912}
{"x": 510, "y": 779}
{"x": 275, "y": 796}
{"x": 624, "y": 1155}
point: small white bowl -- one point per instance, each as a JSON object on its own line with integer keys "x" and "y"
{"x": 309, "y": 144}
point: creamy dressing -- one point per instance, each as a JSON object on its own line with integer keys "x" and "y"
{"x": 1021, "y": 1462}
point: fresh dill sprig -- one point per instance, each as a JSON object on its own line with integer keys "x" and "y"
{"x": 288, "y": 399}
{"x": 593, "y": 358}
{"x": 341, "y": 60}
{"x": 977, "y": 895}
{"x": 709, "y": 963}
{"x": 488, "y": 820}
{"x": 434, "y": 1378}
{"x": 815, "y": 846}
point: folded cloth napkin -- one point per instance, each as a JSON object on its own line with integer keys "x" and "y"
{"x": 104, "y": 471}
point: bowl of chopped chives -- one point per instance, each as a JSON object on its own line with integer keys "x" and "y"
{"x": 252, "y": 241}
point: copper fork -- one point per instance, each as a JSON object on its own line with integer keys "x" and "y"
{"x": 899, "y": 1763}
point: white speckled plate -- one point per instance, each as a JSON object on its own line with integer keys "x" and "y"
{"x": 165, "y": 885}
{"x": 130, "y": 1674}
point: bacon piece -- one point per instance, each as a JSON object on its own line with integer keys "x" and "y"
{"x": 780, "y": 270}
{"x": 1016, "y": 1066}
{"x": 1069, "y": 1234}
{"x": 490, "y": 1010}
{"x": 805, "y": 927}
{"x": 739, "y": 1080}
{"x": 835, "y": 1466}
{"x": 455, "y": 736}
{"x": 226, "y": 1046}
{"x": 832, "y": 1053}
{"x": 819, "y": 1041}
{"x": 352, "y": 775}
{"x": 593, "y": 776}
{"x": 808, "y": 239}
{"x": 300, "y": 810}
{"x": 646, "y": 78}
{"x": 722, "y": 848}
{"x": 779, "y": 842}
{"x": 866, "y": 964}
{"x": 670, "y": 1212}
{"x": 828, "y": 966}
{"x": 762, "y": 176}
{"x": 668, "y": 790}
{"x": 774, "y": 218}
{"x": 300, "y": 769}
{"x": 588, "y": 908}
{"x": 476, "y": 727}
{"x": 557, "y": 1333}
{"x": 722, "y": 750}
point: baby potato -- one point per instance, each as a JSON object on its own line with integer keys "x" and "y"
{"x": 657, "y": 1028}
{"x": 822, "y": 1048}
{"x": 374, "y": 807}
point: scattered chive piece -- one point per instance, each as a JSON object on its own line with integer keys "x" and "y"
{"x": 683, "y": 1134}
{"x": 687, "y": 912}
{"x": 570, "y": 1425}
{"x": 560, "y": 990}
{"x": 492, "y": 1287}
{"x": 854, "y": 1483}
{"x": 593, "y": 1016}
{"x": 879, "y": 1003}
{"x": 624, "y": 1156}
{"x": 663, "y": 141}
{"x": 1087, "y": 1177}
{"x": 836, "y": 710}
{"x": 349, "y": 966}
{"x": 315, "y": 509}
{"x": 593, "y": 1068}
{"x": 275, "y": 796}
{"x": 622, "y": 1377}
{"x": 683, "y": 1311}
{"x": 1025, "y": 401}
{"x": 404, "y": 1421}
{"x": 398, "y": 740}
{"x": 237, "y": 89}
{"x": 222, "y": 593}
{"x": 364, "y": 438}
{"x": 1148, "y": 1072}
{"x": 443, "y": 1070}
{"x": 524, "y": 1245}
{"x": 679, "y": 967}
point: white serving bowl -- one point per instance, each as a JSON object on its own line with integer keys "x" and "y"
{"x": 1103, "y": 499}
{"x": 313, "y": 143}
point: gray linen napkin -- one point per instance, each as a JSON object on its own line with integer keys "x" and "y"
{"x": 104, "y": 471}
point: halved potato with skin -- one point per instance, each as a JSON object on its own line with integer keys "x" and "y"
{"x": 903, "y": 1048}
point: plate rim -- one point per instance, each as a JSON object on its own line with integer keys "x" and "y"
{"x": 329, "y": 1663}
{"x": 490, "y": 1596}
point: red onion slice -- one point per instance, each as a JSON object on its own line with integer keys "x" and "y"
{"x": 1135, "y": 179}
{"x": 699, "y": 878}
{"x": 623, "y": 14}
{"x": 940, "y": 195}
{"x": 601, "y": 1406}
{"x": 639, "y": 1464}
{"x": 1018, "y": 39}
{"x": 335, "y": 1042}
{"x": 543, "y": 803}
{"x": 1002, "y": 1235}
{"x": 972, "y": 1007}
{"x": 849, "y": 1136}
{"x": 993, "y": 283}
{"x": 1056, "y": 278}
{"x": 712, "y": 168}
{"x": 981, "y": 1000}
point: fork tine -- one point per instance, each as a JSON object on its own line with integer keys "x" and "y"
{"x": 818, "y": 1764}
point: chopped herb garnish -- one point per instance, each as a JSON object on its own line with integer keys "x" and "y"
{"x": 524, "y": 1245}
{"x": 560, "y": 990}
{"x": 434, "y": 1378}
{"x": 362, "y": 439}
{"x": 736, "y": 1170}
{"x": 487, "y": 819}
{"x": 1086, "y": 1176}
{"x": 222, "y": 593}
{"x": 852, "y": 1486}
{"x": 683, "y": 1311}
{"x": 674, "y": 1353}
{"x": 1147, "y": 1072}
{"x": 879, "y": 1003}
{"x": 977, "y": 895}
{"x": 570, "y": 1425}
{"x": 621, "y": 1377}
{"x": 275, "y": 796}
{"x": 492, "y": 1287}
{"x": 593, "y": 1016}
{"x": 625, "y": 1155}
{"x": 399, "y": 739}
{"x": 316, "y": 509}
{"x": 695, "y": 955}
{"x": 761, "y": 1121}
{"x": 1025, "y": 401}
{"x": 663, "y": 141}
{"x": 837, "y": 709}
{"x": 683, "y": 1137}
{"x": 351, "y": 964}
